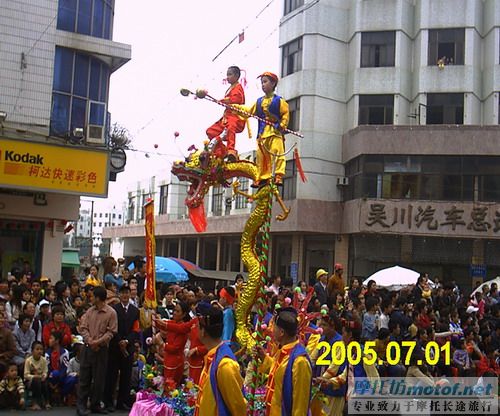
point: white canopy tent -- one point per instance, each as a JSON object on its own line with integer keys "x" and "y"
{"x": 395, "y": 278}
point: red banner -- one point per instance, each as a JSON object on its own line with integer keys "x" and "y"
{"x": 150, "y": 293}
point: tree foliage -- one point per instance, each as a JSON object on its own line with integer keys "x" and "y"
{"x": 119, "y": 136}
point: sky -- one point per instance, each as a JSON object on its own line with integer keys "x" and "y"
{"x": 173, "y": 45}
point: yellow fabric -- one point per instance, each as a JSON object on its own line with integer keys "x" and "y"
{"x": 93, "y": 281}
{"x": 271, "y": 141}
{"x": 301, "y": 381}
{"x": 229, "y": 382}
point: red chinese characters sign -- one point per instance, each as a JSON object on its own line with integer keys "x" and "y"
{"x": 65, "y": 169}
{"x": 149, "y": 223}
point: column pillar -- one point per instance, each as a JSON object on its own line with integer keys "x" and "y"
{"x": 217, "y": 266}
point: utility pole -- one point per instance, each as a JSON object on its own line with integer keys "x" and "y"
{"x": 91, "y": 231}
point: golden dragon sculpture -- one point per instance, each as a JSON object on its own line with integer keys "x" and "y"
{"x": 206, "y": 168}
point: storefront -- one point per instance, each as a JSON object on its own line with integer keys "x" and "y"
{"x": 40, "y": 189}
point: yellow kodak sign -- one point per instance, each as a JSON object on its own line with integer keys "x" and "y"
{"x": 63, "y": 169}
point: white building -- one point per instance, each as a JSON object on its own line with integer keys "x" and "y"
{"x": 56, "y": 59}
{"x": 398, "y": 101}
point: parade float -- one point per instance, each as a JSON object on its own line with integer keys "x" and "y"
{"x": 204, "y": 168}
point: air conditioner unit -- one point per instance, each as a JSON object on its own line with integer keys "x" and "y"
{"x": 96, "y": 122}
{"x": 343, "y": 181}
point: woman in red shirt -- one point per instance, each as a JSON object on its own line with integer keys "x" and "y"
{"x": 175, "y": 334}
{"x": 57, "y": 324}
{"x": 196, "y": 353}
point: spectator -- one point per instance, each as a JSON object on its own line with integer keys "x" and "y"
{"x": 369, "y": 328}
{"x": 7, "y": 345}
{"x": 109, "y": 264}
{"x": 321, "y": 286}
{"x": 121, "y": 350}
{"x": 35, "y": 376}
{"x": 335, "y": 283}
{"x": 12, "y": 390}
{"x": 24, "y": 337}
{"x": 226, "y": 299}
{"x": 57, "y": 360}
{"x": 275, "y": 285}
{"x": 29, "y": 310}
{"x": 98, "y": 326}
{"x": 63, "y": 297}
{"x": 57, "y": 324}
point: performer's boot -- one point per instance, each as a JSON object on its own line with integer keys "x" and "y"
{"x": 232, "y": 155}
{"x": 278, "y": 180}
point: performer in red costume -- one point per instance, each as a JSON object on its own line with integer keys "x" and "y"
{"x": 196, "y": 353}
{"x": 230, "y": 123}
{"x": 175, "y": 333}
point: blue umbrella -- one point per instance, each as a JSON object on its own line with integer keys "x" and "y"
{"x": 169, "y": 271}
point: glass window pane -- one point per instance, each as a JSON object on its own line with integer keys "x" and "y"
{"x": 104, "y": 83}
{"x": 98, "y": 18}
{"x": 108, "y": 19}
{"x": 84, "y": 16}
{"x": 59, "y": 118}
{"x": 66, "y": 15}
{"x": 95, "y": 73}
{"x": 78, "y": 110}
{"x": 81, "y": 80}
{"x": 63, "y": 69}
{"x": 97, "y": 111}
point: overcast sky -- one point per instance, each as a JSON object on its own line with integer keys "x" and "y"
{"x": 173, "y": 44}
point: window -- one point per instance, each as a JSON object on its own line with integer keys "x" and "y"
{"x": 446, "y": 45}
{"x": 241, "y": 201}
{"x": 163, "y": 199}
{"x": 445, "y": 109}
{"x": 79, "y": 93}
{"x": 289, "y": 188}
{"x": 95, "y": 224}
{"x": 217, "y": 196}
{"x": 145, "y": 197}
{"x": 106, "y": 215}
{"x": 95, "y": 215}
{"x": 377, "y": 49}
{"x": 114, "y": 216}
{"x": 294, "y": 109}
{"x": 291, "y": 5}
{"x": 100, "y": 224}
{"x": 113, "y": 224}
{"x": 119, "y": 216}
{"x": 88, "y": 17}
{"x": 292, "y": 57}
{"x": 131, "y": 209}
{"x": 100, "y": 215}
{"x": 376, "y": 109}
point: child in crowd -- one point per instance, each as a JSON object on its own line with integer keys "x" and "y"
{"x": 461, "y": 359}
{"x": 58, "y": 360}
{"x": 35, "y": 376}
{"x": 369, "y": 328}
{"x": 168, "y": 304}
{"x": 73, "y": 373}
{"x": 12, "y": 389}
{"x": 137, "y": 377}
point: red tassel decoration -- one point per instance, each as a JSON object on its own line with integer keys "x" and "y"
{"x": 298, "y": 163}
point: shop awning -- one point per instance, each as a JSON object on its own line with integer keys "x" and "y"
{"x": 70, "y": 259}
{"x": 216, "y": 275}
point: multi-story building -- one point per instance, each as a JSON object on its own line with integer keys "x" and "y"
{"x": 56, "y": 61}
{"x": 398, "y": 101}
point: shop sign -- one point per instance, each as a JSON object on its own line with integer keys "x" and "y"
{"x": 425, "y": 217}
{"x": 63, "y": 169}
{"x": 477, "y": 270}
{"x": 294, "y": 272}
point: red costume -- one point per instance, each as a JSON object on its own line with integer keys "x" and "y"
{"x": 230, "y": 120}
{"x": 176, "y": 335}
{"x": 62, "y": 328}
{"x": 196, "y": 359}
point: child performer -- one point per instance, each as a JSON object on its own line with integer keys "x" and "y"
{"x": 270, "y": 139}
{"x": 175, "y": 332}
{"x": 35, "y": 376}
{"x": 12, "y": 389}
{"x": 231, "y": 122}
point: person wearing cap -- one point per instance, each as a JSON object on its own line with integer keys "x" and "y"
{"x": 270, "y": 138}
{"x": 321, "y": 286}
{"x": 220, "y": 381}
{"x": 290, "y": 371}
{"x": 230, "y": 123}
{"x": 335, "y": 283}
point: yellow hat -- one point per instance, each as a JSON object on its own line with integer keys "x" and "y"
{"x": 320, "y": 273}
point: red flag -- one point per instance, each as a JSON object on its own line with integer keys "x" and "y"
{"x": 298, "y": 163}
{"x": 149, "y": 224}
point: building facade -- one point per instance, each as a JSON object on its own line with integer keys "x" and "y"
{"x": 56, "y": 61}
{"x": 398, "y": 101}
